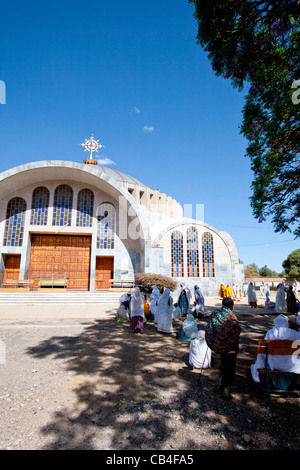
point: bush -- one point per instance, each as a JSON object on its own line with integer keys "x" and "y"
{"x": 145, "y": 279}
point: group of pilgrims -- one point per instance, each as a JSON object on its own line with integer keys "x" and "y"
{"x": 161, "y": 310}
{"x": 286, "y": 300}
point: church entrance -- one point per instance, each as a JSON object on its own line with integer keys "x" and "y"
{"x": 59, "y": 258}
{"x": 104, "y": 272}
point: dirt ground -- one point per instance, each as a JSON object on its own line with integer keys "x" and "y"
{"x": 103, "y": 388}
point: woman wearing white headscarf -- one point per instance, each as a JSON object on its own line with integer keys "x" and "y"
{"x": 280, "y": 331}
{"x": 199, "y": 299}
{"x": 184, "y": 299}
{"x": 280, "y": 302}
{"x": 165, "y": 313}
{"x": 200, "y": 353}
{"x": 252, "y": 299}
{"x": 154, "y": 298}
{"x": 137, "y": 312}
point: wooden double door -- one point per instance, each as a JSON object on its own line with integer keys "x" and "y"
{"x": 61, "y": 256}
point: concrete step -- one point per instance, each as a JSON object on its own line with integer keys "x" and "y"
{"x": 60, "y": 297}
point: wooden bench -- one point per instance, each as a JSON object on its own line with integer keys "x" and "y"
{"x": 23, "y": 283}
{"x": 10, "y": 283}
{"x": 280, "y": 348}
{"x": 53, "y": 283}
{"x": 123, "y": 283}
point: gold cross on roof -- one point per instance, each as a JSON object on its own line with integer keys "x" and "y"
{"x": 91, "y": 145}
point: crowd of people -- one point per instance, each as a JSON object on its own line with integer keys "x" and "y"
{"x": 222, "y": 331}
{"x": 287, "y": 299}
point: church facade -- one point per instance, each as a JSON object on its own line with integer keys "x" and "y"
{"x": 89, "y": 225}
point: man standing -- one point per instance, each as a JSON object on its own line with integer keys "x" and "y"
{"x": 222, "y": 334}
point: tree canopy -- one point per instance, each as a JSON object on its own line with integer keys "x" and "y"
{"x": 292, "y": 265}
{"x": 255, "y": 44}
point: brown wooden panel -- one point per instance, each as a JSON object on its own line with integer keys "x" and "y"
{"x": 59, "y": 256}
{"x": 12, "y": 267}
{"x": 104, "y": 272}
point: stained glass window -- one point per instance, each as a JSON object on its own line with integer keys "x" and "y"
{"x": 63, "y": 203}
{"x": 106, "y": 220}
{"x": 192, "y": 252}
{"x": 85, "y": 208}
{"x": 14, "y": 225}
{"x": 177, "y": 254}
{"x": 208, "y": 255}
{"x": 39, "y": 206}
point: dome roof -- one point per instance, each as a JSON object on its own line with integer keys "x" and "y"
{"x": 118, "y": 175}
{"x": 52, "y": 165}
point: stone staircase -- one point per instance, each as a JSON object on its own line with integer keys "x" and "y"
{"x": 54, "y": 297}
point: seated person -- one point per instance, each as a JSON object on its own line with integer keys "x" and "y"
{"x": 280, "y": 331}
{"x": 189, "y": 327}
{"x": 123, "y": 312}
{"x": 176, "y": 312}
{"x": 200, "y": 353}
{"x": 269, "y": 304}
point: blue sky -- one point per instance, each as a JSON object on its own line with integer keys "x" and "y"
{"x": 131, "y": 74}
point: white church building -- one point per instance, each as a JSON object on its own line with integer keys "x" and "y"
{"x": 91, "y": 226}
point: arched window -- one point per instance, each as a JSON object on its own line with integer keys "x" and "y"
{"x": 106, "y": 226}
{"x": 85, "y": 208}
{"x": 63, "y": 203}
{"x": 39, "y": 206}
{"x": 208, "y": 255}
{"x": 192, "y": 252}
{"x": 15, "y": 219}
{"x": 177, "y": 254}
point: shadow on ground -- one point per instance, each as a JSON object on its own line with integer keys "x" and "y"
{"x": 136, "y": 392}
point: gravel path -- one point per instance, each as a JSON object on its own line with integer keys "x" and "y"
{"x": 91, "y": 384}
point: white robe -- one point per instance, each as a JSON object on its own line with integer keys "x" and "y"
{"x": 199, "y": 298}
{"x": 165, "y": 313}
{"x": 187, "y": 291}
{"x": 137, "y": 304}
{"x": 154, "y": 297}
{"x": 200, "y": 353}
{"x": 280, "y": 331}
{"x": 251, "y": 293}
{"x": 190, "y": 327}
{"x": 280, "y": 302}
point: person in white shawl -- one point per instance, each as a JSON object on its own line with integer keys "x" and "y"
{"x": 154, "y": 298}
{"x": 280, "y": 331}
{"x": 184, "y": 299}
{"x": 123, "y": 312}
{"x": 199, "y": 299}
{"x": 252, "y": 299}
{"x": 200, "y": 353}
{"x": 164, "y": 313}
{"x": 280, "y": 302}
{"x": 137, "y": 314}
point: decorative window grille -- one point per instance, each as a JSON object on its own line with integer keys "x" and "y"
{"x": 106, "y": 226}
{"x": 177, "y": 254}
{"x": 63, "y": 203}
{"x": 15, "y": 220}
{"x": 39, "y": 206}
{"x": 208, "y": 255}
{"x": 85, "y": 208}
{"x": 192, "y": 252}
